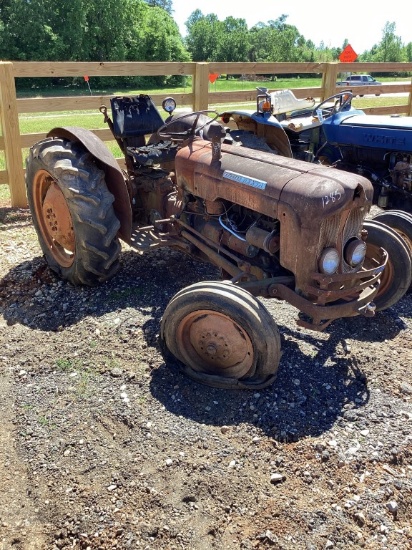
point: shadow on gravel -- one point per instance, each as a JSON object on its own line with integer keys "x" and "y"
{"x": 317, "y": 382}
{"x": 314, "y": 389}
{"x": 32, "y": 295}
{"x": 12, "y": 218}
{"x": 307, "y": 398}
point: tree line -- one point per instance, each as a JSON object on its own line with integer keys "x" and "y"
{"x": 144, "y": 30}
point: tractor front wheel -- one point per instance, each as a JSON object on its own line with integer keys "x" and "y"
{"x": 221, "y": 336}
{"x": 72, "y": 212}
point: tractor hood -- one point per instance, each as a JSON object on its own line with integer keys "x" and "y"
{"x": 377, "y": 131}
{"x": 269, "y": 183}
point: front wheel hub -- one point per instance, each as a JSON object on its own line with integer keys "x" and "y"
{"x": 214, "y": 343}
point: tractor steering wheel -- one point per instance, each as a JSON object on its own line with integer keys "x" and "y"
{"x": 182, "y": 130}
{"x": 340, "y": 101}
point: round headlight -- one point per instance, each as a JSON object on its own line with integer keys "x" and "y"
{"x": 355, "y": 251}
{"x": 329, "y": 261}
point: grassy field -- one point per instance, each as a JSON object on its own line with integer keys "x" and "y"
{"x": 220, "y": 85}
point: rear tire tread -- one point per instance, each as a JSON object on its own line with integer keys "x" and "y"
{"x": 97, "y": 248}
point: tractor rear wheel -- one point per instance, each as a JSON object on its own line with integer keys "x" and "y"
{"x": 401, "y": 222}
{"x": 397, "y": 275}
{"x": 221, "y": 336}
{"x": 72, "y": 212}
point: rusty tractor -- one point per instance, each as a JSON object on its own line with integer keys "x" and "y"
{"x": 274, "y": 226}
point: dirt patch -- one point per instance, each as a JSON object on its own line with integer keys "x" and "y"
{"x": 104, "y": 446}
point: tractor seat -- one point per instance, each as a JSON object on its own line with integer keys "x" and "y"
{"x": 285, "y": 101}
{"x": 134, "y": 117}
{"x": 150, "y": 155}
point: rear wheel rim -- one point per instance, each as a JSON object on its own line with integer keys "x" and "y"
{"x": 213, "y": 343}
{"x": 399, "y": 221}
{"x": 54, "y": 218}
{"x": 406, "y": 239}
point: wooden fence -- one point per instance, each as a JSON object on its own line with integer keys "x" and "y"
{"x": 12, "y": 142}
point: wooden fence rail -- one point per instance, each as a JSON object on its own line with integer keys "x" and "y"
{"x": 12, "y": 142}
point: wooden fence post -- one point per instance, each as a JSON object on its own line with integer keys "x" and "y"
{"x": 329, "y": 78}
{"x": 11, "y": 135}
{"x": 201, "y": 87}
{"x": 409, "y": 113}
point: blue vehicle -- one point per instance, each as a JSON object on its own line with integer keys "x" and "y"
{"x": 336, "y": 134}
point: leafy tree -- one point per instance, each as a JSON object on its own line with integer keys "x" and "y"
{"x": 87, "y": 30}
{"x": 159, "y": 40}
{"x": 408, "y": 51}
{"x": 144, "y": 30}
{"x": 194, "y": 17}
{"x": 276, "y": 41}
{"x": 164, "y": 4}
{"x": 391, "y": 44}
{"x": 205, "y": 36}
{"x": 390, "y": 48}
{"x": 27, "y": 30}
{"x": 107, "y": 26}
{"x": 233, "y": 43}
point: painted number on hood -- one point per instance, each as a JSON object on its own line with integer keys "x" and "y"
{"x": 334, "y": 196}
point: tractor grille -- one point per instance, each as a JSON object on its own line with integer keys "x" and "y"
{"x": 331, "y": 228}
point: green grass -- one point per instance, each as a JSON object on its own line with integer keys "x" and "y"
{"x": 220, "y": 85}
{"x": 4, "y": 192}
{"x": 93, "y": 120}
{"x": 372, "y": 101}
{"x": 41, "y": 122}
{"x": 68, "y": 365}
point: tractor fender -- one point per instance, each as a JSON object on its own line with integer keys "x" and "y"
{"x": 263, "y": 125}
{"x": 113, "y": 175}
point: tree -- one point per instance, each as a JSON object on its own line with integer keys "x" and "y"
{"x": 159, "y": 37}
{"x": 233, "y": 41}
{"x": 205, "y": 34}
{"x": 390, "y": 48}
{"x": 408, "y": 51}
{"x": 276, "y": 41}
{"x": 107, "y": 29}
{"x": 28, "y": 30}
{"x": 194, "y": 17}
{"x": 88, "y": 30}
{"x": 164, "y": 4}
{"x": 391, "y": 44}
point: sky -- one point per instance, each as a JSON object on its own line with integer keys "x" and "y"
{"x": 361, "y": 22}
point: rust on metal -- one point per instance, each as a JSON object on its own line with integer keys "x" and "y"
{"x": 54, "y": 219}
{"x": 214, "y": 343}
{"x": 57, "y": 218}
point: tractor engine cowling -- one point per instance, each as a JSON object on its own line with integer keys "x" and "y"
{"x": 318, "y": 208}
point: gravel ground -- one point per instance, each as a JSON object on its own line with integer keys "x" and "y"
{"x": 103, "y": 446}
